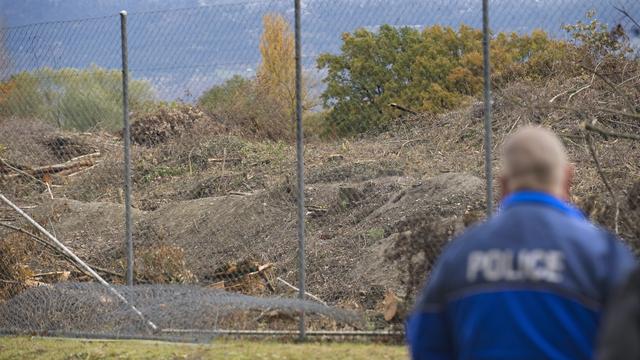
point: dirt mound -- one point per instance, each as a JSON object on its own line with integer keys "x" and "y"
{"x": 213, "y": 231}
{"x": 66, "y": 147}
{"x": 95, "y": 230}
{"x": 346, "y": 254}
{"x": 358, "y": 171}
{"x": 440, "y": 208}
{"x": 22, "y": 141}
{"x": 443, "y": 195}
{"x": 358, "y": 253}
{"x": 32, "y": 142}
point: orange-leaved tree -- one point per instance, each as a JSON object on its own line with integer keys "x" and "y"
{"x": 276, "y": 73}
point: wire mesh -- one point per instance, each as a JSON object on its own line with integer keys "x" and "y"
{"x": 392, "y": 115}
{"x": 90, "y": 308}
{"x": 60, "y": 104}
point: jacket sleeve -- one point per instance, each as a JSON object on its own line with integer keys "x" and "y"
{"x": 427, "y": 331}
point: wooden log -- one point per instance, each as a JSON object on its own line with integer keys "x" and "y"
{"x": 69, "y": 167}
{"x": 394, "y": 308}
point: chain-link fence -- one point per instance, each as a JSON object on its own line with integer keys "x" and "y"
{"x": 392, "y": 115}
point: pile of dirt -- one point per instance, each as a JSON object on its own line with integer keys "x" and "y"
{"x": 95, "y": 230}
{"x": 23, "y": 141}
{"x": 351, "y": 258}
{"x": 66, "y": 148}
{"x": 33, "y": 153}
{"x": 32, "y": 142}
{"x": 357, "y": 171}
{"x": 346, "y": 257}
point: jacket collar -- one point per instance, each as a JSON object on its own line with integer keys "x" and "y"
{"x": 540, "y": 198}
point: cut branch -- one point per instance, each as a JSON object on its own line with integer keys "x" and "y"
{"x": 67, "y": 168}
{"x": 578, "y": 110}
{"x": 627, "y": 99}
{"x": 19, "y": 171}
{"x": 402, "y": 108}
{"x": 72, "y": 165}
{"x": 306, "y": 293}
{"x": 393, "y": 307}
{"x": 608, "y": 133}
{"x": 626, "y": 13}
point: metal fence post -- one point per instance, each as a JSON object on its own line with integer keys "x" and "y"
{"x": 300, "y": 165}
{"x": 487, "y": 105}
{"x": 127, "y": 147}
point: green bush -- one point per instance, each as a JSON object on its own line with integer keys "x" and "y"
{"x": 230, "y": 102}
{"x": 244, "y": 105}
{"x": 222, "y": 98}
{"x": 80, "y": 99}
{"x": 433, "y": 70}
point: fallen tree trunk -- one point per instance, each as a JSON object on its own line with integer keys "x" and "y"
{"x": 66, "y": 168}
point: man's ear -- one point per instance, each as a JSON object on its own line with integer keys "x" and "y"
{"x": 570, "y": 171}
{"x": 504, "y": 186}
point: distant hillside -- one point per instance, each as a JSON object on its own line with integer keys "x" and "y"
{"x": 183, "y": 52}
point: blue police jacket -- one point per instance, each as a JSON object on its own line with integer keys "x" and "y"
{"x": 530, "y": 283}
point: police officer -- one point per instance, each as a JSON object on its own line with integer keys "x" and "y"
{"x": 531, "y": 282}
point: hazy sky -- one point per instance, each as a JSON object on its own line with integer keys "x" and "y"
{"x": 22, "y": 12}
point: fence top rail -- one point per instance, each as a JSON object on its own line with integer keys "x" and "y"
{"x": 221, "y": 4}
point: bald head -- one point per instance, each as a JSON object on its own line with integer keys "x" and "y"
{"x": 534, "y": 159}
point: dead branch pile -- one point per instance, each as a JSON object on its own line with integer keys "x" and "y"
{"x": 165, "y": 123}
{"x": 247, "y": 277}
{"x": 163, "y": 264}
{"x": 65, "y": 147}
{"x": 29, "y": 260}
